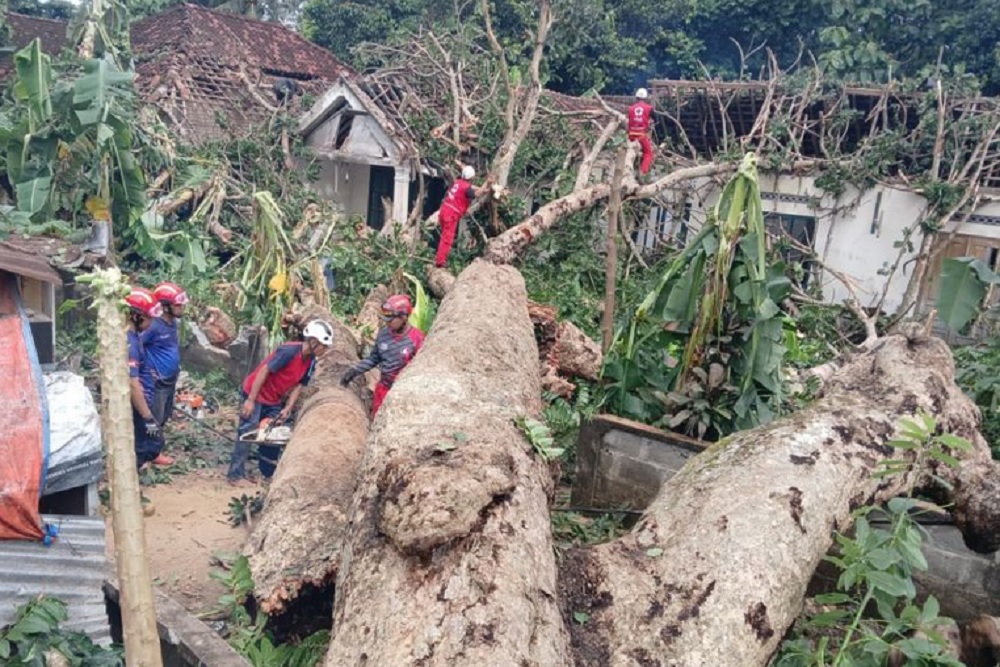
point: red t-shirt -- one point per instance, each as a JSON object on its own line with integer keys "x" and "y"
{"x": 459, "y": 197}
{"x": 640, "y": 117}
{"x": 286, "y": 368}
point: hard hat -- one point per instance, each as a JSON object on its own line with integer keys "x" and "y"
{"x": 398, "y": 305}
{"x": 642, "y": 93}
{"x": 319, "y": 330}
{"x": 468, "y": 173}
{"x": 142, "y": 302}
{"x": 170, "y": 293}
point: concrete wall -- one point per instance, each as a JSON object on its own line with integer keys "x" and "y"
{"x": 856, "y": 233}
{"x": 345, "y": 183}
{"x": 621, "y": 463}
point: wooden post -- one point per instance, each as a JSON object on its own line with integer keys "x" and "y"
{"x": 611, "y": 260}
{"x": 142, "y": 641}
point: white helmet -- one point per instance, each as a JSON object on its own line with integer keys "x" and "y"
{"x": 319, "y": 330}
{"x": 642, "y": 93}
{"x": 468, "y": 173}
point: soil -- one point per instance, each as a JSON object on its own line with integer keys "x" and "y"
{"x": 188, "y": 533}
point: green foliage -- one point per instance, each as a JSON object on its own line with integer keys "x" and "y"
{"x": 923, "y": 443}
{"x": 714, "y": 309}
{"x": 244, "y": 508}
{"x": 36, "y": 630}
{"x": 248, "y": 634}
{"x": 575, "y": 529}
{"x": 964, "y": 283}
{"x": 876, "y": 570}
{"x": 977, "y": 372}
{"x": 540, "y": 437}
{"x": 564, "y": 418}
{"x": 423, "y": 308}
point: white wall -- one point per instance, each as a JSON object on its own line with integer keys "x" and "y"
{"x": 345, "y": 183}
{"x": 850, "y": 238}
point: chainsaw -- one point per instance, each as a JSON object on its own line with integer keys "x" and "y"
{"x": 269, "y": 432}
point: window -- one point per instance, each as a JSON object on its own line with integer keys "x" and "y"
{"x": 791, "y": 234}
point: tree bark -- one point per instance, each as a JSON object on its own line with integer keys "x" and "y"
{"x": 141, "y": 638}
{"x": 448, "y": 559}
{"x": 611, "y": 259}
{"x": 507, "y": 247}
{"x": 296, "y": 541}
{"x": 715, "y": 571}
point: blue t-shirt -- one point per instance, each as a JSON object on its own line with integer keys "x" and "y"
{"x": 138, "y": 366}
{"x": 163, "y": 351}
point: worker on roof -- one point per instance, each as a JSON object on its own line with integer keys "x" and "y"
{"x": 163, "y": 352}
{"x": 395, "y": 346}
{"x": 143, "y": 311}
{"x": 456, "y": 202}
{"x": 271, "y": 392}
{"x": 640, "y": 121}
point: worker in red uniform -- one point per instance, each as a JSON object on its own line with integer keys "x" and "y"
{"x": 271, "y": 391}
{"x": 456, "y": 203}
{"x": 640, "y": 120}
{"x": 395, "y": 346}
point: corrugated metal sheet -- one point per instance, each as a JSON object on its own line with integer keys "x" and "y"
{"x": 72, "y": 569}
{"x": 26, "y": 264}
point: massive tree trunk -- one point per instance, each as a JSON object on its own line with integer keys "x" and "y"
{"x": 715, "y": 571}
{"x": 296, "y": 542}
{"x": 448, "y": 559}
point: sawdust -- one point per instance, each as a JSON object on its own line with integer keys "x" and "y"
{"x": 189, "y": 525}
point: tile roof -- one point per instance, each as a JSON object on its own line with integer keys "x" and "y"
{"x": 23, "y": 29}
{"x": 200, "y": 66}
{"x": 205, "y": 69}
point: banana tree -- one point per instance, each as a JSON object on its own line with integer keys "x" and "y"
{"x": 67, "y": 144}
{"x": 704, "y": 349}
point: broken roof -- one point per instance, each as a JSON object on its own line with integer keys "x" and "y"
{"x": 200, "y": 66}
{"x": 23, "y": 29}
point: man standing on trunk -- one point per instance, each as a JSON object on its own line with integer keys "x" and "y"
{"x": 163, "y": 353}
{"x": 456, "y": 203}
{"x": 395, "y": 346}
{"x": 640, "y": 120}
{"x": 271, "y": 391}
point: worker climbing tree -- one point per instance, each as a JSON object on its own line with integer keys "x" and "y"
{"x": 456, "y": 203}
{"x": 640, "y": 121}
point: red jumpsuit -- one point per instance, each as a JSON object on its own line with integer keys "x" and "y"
{"x": 456, "y": 203}
{"x": 640, "y": 118}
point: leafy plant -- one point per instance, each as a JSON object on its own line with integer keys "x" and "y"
{"x": 540, "y": 437}
{"x": 244, "y": 508}
{"x": 876, "y": 568}
{"x": 716, "y": 302}
{"x": 423, "y": 310}
{"x": 572, "y": 529}
{"x": 36, "y": 632}
{"x": 977, "y": 372}
{"x": 921, "y": 438}
{"x": 964, "y": 284}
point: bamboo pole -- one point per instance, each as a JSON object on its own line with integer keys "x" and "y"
{"x": 611, "y": 261}
{"x": 142, "y": 641}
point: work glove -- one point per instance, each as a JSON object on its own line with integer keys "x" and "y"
{"x": 152, "y": 428}
{"x": 349, "y": 375}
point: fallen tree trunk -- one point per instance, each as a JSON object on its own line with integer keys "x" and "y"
{"x": 295, "y": 543}
{"x": 448, "y": 559}
{"x": 715, "y": 571}
{"x": 563, "y": 349}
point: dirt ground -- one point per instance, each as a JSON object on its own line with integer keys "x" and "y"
{"x": 188, "y": 529}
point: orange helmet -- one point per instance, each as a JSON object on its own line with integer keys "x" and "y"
{"x": 142, "y": 302}
{"x": 171, "y": 294}
{"x": 398, "y": 305}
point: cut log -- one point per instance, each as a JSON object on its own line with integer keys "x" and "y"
{"x": 296, "y": 541}
{"x": 715, "y": 571}
{"x": 448, "y": 558}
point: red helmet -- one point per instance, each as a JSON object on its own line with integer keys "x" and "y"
{"x": 397, "y": 305}
{"x": 171, "y": 294}
{"x": 142, "y": 302}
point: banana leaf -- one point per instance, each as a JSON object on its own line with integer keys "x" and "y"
{"x": 34, "y": 82}
{"x": 964, "y": 282}
{"x": 423, "y": 310}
